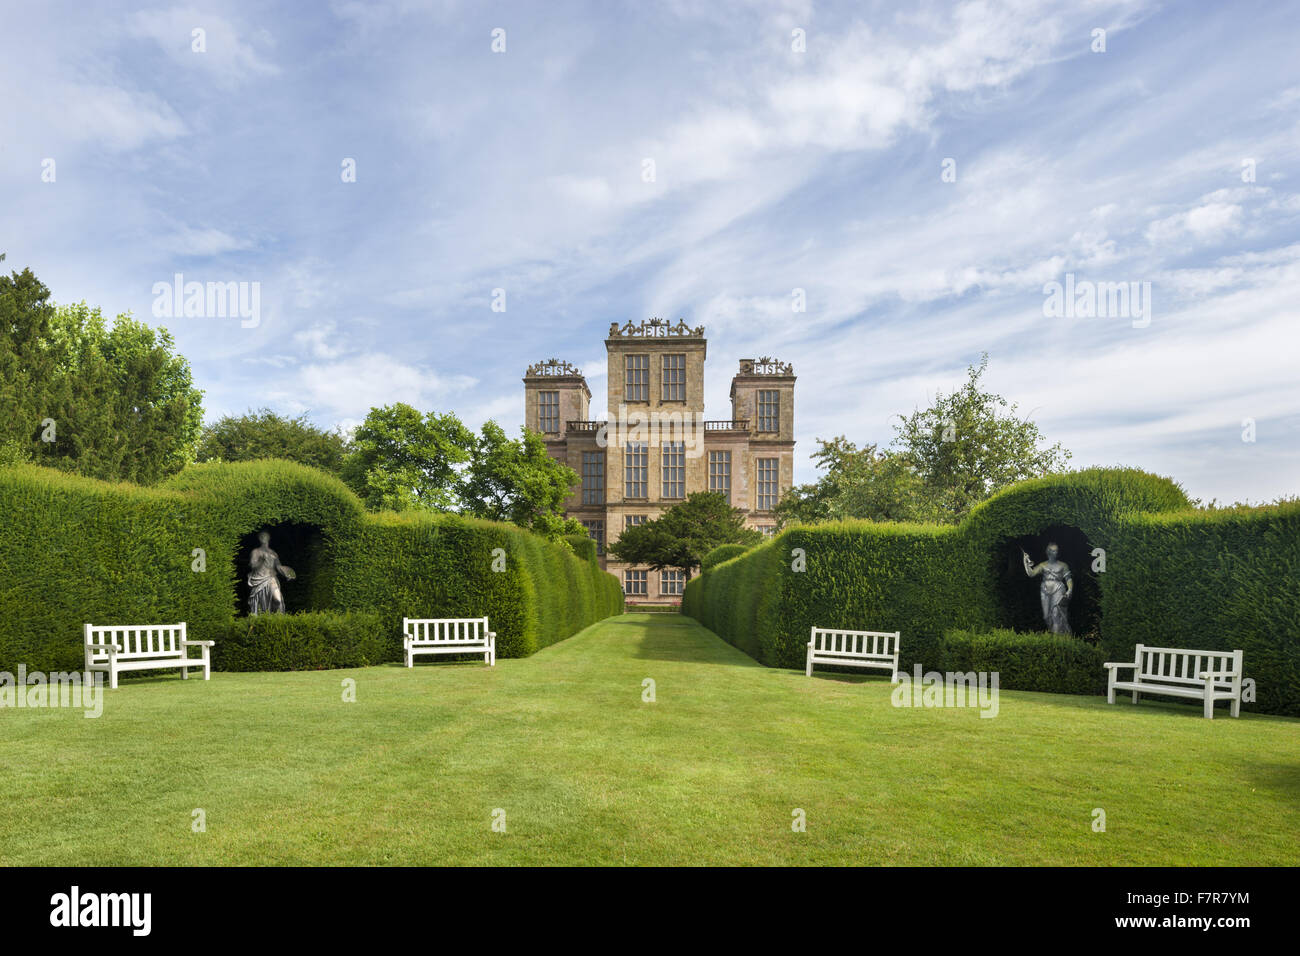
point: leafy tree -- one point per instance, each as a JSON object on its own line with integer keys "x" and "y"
{"x": 401, "y": 459}
{"x": 264, "y": 434}
{"x": 685, "y": 533}
{"x": 518, "y": 481}
{"x": 944, "y": 460}
{"x": 858, "y": 483}
{"x": 970, "y": 444}
{"x": 115, "y": 403}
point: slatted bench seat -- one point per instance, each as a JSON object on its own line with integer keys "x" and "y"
{"x": 1180, "y": 672}
{"x": 877, "y": 649}
{"x": 448, "y": 635}
{"x": 114, "y": 648}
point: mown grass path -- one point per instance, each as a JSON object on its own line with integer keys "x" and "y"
{"x": 588, "y": 773}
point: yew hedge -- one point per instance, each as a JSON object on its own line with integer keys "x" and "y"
{"x": 1166, "y": 574}
{"x": 76, "y": 550}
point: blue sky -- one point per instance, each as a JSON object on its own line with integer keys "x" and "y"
{"x": 775, "y": 170}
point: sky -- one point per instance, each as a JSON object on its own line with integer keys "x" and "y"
{"x": 918, "y": 174}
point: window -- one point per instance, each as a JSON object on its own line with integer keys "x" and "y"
{"x": 548, "y": 412}
{"x": 593, "y": 477}
{"x": 631, "y": 521}
{"x": 769, "y": 410}
{"x": 637, "y": 386}
{"x": 767, "y": 530}
{"x": 634, "y": 583}
{"x": 674, "y": 388}
{"x": 635, "y": 470}
{"x": 768, "y": 485}
{"x": 674, "y": 469}
{"x": 596, "y": 531}
{"x": 672, "y": 582}
{"x": 720, "y": 473}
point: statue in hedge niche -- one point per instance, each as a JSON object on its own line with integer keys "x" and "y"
{"x": 264, "y": 573}
{"x": 1055, "y": 590}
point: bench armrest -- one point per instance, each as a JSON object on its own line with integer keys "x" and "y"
{"x": 491, "y": 633}
{"x": 198, "y": 643}
{"x": 101, "y": 647}
{"x": 1109, "y": 666}
{"x": 1218, "y": 675}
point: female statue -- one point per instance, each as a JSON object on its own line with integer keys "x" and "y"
{"x": 1055, "y": 591}
{"x": 264, "y": 571}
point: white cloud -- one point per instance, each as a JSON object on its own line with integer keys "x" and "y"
{"x": 1206, "y": 223}
{"x": 226, "y": 58}
{"x": 354, "y": 384}
{"x": 188, "y": 241}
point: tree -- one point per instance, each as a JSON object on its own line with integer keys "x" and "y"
{"x": 519, "y": 482}
{"x": 685, "y": 533}
{"x": 943, "y": 461}
{"x": 264, "y": 434}
{"x": 116, "y": 403}
{"x": 31, "y": 385}
{"x": 401, "y": 459}
{"x": 965, "y": 448}
{"x": 858, "y": 483}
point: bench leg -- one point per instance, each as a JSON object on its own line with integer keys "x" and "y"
{"x": 207, "y": 665}
{"x": 808, "y": 666}
{"x": 1135, "y": 697}
{"x": 1236, "y": 707}
{"x": 112, "y": 677}
{"x": 185, "y": 672}
{"x": 1209, "y": 708}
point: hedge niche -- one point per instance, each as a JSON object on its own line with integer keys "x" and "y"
{"x": 1149, "y": 568}
{"x": 75, "y": 550}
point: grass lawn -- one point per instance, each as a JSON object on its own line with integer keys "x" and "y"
{"x": 287, "y": 773}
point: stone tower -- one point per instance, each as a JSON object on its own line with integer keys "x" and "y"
{"x": 656, "y": 447}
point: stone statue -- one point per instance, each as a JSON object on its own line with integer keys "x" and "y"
{"x": 1055, "y": 591}
{"x": 264, "y": 571}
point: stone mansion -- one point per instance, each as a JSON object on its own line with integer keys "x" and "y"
{"x": 656, "y": 446}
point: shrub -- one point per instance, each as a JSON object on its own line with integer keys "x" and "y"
{"x": 1039, "y": 661}
{"x": 723, "y": 552}
{"x": 317, "y": 640}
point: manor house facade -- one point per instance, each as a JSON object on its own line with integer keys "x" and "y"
{"x": 656, "y": 447}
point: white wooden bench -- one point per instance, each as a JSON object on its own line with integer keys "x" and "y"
{"x": 1179, "y": 672}
{"x": 114, "y": 648}
{"x": 448, "y": 635}
{"x": 877, "y": 649}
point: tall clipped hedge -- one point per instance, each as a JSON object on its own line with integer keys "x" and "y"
{"x": 75, "y": 550}
{"x": 1174, "y": 576}
{"x": 1218, "y": 580}
{"x": 534, "y": 593}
